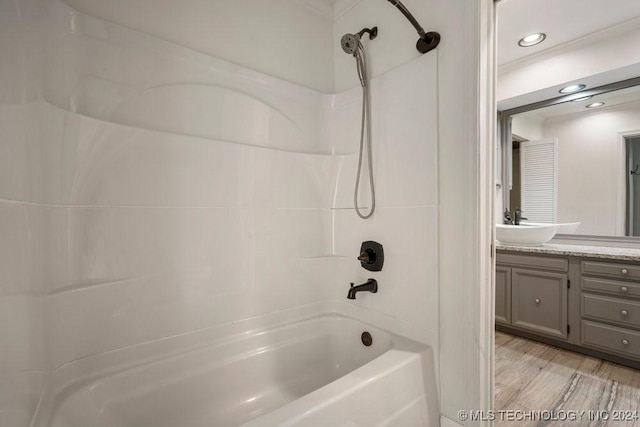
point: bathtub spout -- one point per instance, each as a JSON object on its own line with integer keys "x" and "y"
{"x": 370, "y": 286}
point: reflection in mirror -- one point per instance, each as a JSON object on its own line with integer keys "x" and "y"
{"x": 577, "y": 159}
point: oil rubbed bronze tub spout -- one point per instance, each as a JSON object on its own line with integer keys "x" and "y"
{"x": 370, "y": 286}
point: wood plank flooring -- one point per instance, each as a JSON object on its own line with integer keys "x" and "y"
{"x": 531, "y": 376}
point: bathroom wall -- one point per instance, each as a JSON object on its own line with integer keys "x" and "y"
{"x": 527, "y": 127}
{"x": 195, "y": 190}
{"x": 30, "y": 248}
{"x": 175, "y": 209}
{"x": 405, "y": 142}
{"x": 147, "y": 190}
{"x": 281, "y": 38}
{"x": 590, "y": 162}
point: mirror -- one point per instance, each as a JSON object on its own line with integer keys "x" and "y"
{"x": 590, "y": 44}
{"x": 576, "y": 158}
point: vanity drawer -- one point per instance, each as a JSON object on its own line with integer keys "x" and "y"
{"x": 611, "y": 338}
{"x": 623, "y": 289}
{"x": 535, "y": 261}
{"x": 610, "y": 309}
{"x": 609, "y": 269}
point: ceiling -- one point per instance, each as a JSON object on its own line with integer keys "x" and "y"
{"x": 561, "y": 20}
{"x": 611, "y": 99}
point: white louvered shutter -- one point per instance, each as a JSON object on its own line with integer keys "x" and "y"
{"x": 539, "y": 180}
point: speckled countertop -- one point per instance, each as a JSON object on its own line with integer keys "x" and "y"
{"x": 623, "y": 254}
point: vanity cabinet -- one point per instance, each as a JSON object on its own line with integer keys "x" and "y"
{"x": 599, "y": 316}
{"x": 531, "y": 294}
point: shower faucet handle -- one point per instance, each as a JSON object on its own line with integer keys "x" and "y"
{"x": 365, "y": 257}
{"x": 371, "y": 256}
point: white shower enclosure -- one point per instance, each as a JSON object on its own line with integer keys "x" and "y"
{"x": 156, "y": 200}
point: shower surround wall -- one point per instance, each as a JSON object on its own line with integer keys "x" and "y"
{"x": 152, "y": 190}
{"x": 30, "y": 250}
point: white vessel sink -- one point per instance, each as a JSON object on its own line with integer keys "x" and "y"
{"x": 563, "y": 228}
{"x": 526, "y": 234}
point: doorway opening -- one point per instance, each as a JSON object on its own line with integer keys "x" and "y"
{"x": 632, "y": 161}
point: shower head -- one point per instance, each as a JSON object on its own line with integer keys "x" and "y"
{"x": 350, "y": 42}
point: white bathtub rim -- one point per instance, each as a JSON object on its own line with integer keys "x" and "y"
{"x": 73, "y": 375}
{"x": 294, "y": 412}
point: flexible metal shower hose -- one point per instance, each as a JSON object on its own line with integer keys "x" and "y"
{"x": 361, "y": 62}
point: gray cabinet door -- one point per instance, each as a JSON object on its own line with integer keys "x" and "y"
{"x": 539, "y": 302}
{"x": 503, "y": 295}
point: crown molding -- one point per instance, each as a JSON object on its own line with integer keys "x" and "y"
{"x": 598, "y": 36}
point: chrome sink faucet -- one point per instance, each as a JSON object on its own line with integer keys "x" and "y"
{"x": 506, "y": 217}
{"x": 518, "y": 217}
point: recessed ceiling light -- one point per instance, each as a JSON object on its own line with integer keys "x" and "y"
{"x": 584, "y": 98}
{"x": 595, "y": 105}
{"x": 573, "y": 88}
{"x": 532, "y": 39}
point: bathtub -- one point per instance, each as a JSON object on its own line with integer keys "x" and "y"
{"x": 310, "y": 371}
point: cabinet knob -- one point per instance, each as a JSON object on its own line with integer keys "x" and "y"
{"x": 625, "y": 342}
{"x": 624, "y": 289}
{"x": 538, "y": 301}
{"x": 624, "y": 271}
{"x": 624, "y": 313}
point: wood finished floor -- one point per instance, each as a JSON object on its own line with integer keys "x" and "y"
{"x": 535, "y": 376}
